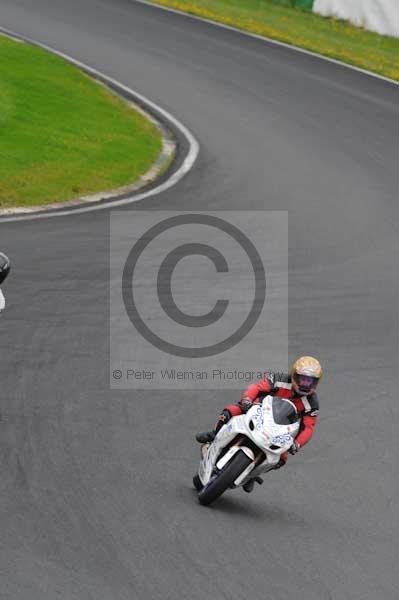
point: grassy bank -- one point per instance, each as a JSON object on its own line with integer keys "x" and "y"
{"x": 63, "y": 135}
{"x": 331, "y": 37}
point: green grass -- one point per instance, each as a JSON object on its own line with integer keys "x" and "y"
{"x": 63, "y": 135}
{"x": 278, "y": 19}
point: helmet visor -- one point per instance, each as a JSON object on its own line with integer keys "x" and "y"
{"x": 305, "y": 383}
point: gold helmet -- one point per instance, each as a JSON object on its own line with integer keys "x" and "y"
{"x": 306, "y": 373}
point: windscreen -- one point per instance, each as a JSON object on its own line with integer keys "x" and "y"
{"x": 284, "y": 412}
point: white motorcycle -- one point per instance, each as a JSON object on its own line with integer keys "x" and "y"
{"x": 4, "y": 271}
{"x": 246, "y": 447}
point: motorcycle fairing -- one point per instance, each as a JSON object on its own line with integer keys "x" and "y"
{"x": 259, "y": 426}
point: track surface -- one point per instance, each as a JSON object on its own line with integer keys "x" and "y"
{"x": 95, "y": 491}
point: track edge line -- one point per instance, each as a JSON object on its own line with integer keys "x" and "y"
{"x": 154, "y": 110}
{"x": 269, "y": 40}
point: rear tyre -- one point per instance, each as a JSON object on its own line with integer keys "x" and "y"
{"x": 197, "y": 483}
{"x": 225, "y": 479}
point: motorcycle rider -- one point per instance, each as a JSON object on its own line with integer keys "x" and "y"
{"x": 4, "y": 271}
{"x": 299, "y": 386}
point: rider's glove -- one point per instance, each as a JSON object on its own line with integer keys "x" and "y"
{"x": 294, "y": 448}
{"x": 245, "y": 404}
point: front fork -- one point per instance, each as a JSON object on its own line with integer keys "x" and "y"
{"x": 249, "y": 448}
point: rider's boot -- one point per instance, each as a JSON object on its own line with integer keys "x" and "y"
{"x": 249, "y": 486}
{"x": 280, "y": 464}
{"x": 207, "y": 437}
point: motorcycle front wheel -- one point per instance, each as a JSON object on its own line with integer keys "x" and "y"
{"x": 225, "y": 479}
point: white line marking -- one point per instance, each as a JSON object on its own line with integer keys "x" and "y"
{"x": 184, "y": 168}
{"x": 269, "y": 40}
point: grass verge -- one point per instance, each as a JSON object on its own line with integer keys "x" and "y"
{"x": 61, "y": 134}
{"x": 330, "y": 37}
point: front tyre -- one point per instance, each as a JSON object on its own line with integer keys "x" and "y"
{"x": 197, "y": 483}
{"x": 217, "y": 486}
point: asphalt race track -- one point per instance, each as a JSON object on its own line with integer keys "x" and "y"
{"x": 95, "y": 488}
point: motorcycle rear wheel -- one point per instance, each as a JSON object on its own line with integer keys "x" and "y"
{"x": 217, "y": 486}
